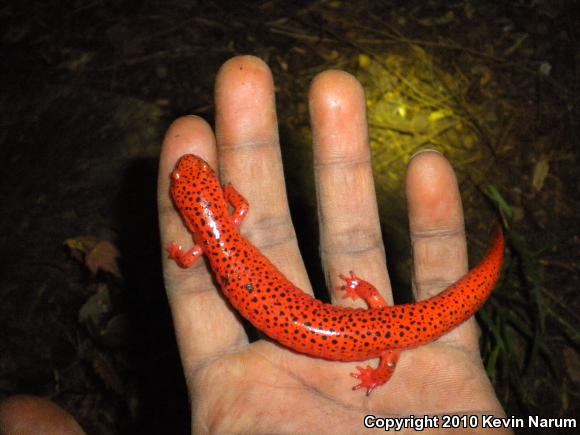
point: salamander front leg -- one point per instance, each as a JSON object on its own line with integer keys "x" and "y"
{"x": 184, "y": 259}
{"x": 238, "y": 202}
{"x": 357, "y": 288}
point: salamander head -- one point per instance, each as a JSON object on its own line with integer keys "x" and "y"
{"x": 196, "y": 190}
{"x": 190, "y": 168}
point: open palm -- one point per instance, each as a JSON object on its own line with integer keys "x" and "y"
{"x": 240, "y": 387}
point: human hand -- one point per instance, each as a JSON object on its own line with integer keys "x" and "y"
{"x": 240, "y": 387}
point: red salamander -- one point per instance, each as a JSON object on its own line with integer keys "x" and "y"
{"x": 264, "y": 296}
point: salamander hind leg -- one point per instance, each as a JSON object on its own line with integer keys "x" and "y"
{"x": 371, "y": 377}
{"x": 238, "y": 202}
{"x": 357, "y": 288}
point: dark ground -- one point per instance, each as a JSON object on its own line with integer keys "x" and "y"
{"x": 88, "y": 87}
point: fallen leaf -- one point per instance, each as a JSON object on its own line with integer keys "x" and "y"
{"x": 96, "y": 308}
{"x": 541, "y": 170}
{"x": 105, "y": 369}
{"x": 80, "y": 245}
{"x": 117, "y": 332}
{"x": 103, "y": 257}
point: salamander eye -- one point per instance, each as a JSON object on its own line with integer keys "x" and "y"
{"x": 175, "y": 175}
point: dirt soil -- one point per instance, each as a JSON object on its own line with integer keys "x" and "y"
{"x": 88, "y": 88}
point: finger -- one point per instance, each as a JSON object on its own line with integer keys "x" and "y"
{"x": 437, "y": 232}
{"x": 204, "y": 324}
{"x": 350, "y": 233}
{"x": 250, "y": 158}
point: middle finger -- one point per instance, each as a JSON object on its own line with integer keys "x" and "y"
{"x": 250, "y": 158}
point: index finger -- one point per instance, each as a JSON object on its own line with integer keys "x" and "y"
{"x": 204, "y": 324}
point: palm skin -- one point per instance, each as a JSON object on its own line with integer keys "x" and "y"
{"x": 240, "y": 387}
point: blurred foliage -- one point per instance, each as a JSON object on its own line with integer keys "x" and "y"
{"x": 413, "y": 104}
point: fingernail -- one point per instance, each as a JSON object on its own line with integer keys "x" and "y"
{"x": 426, "y": 150}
